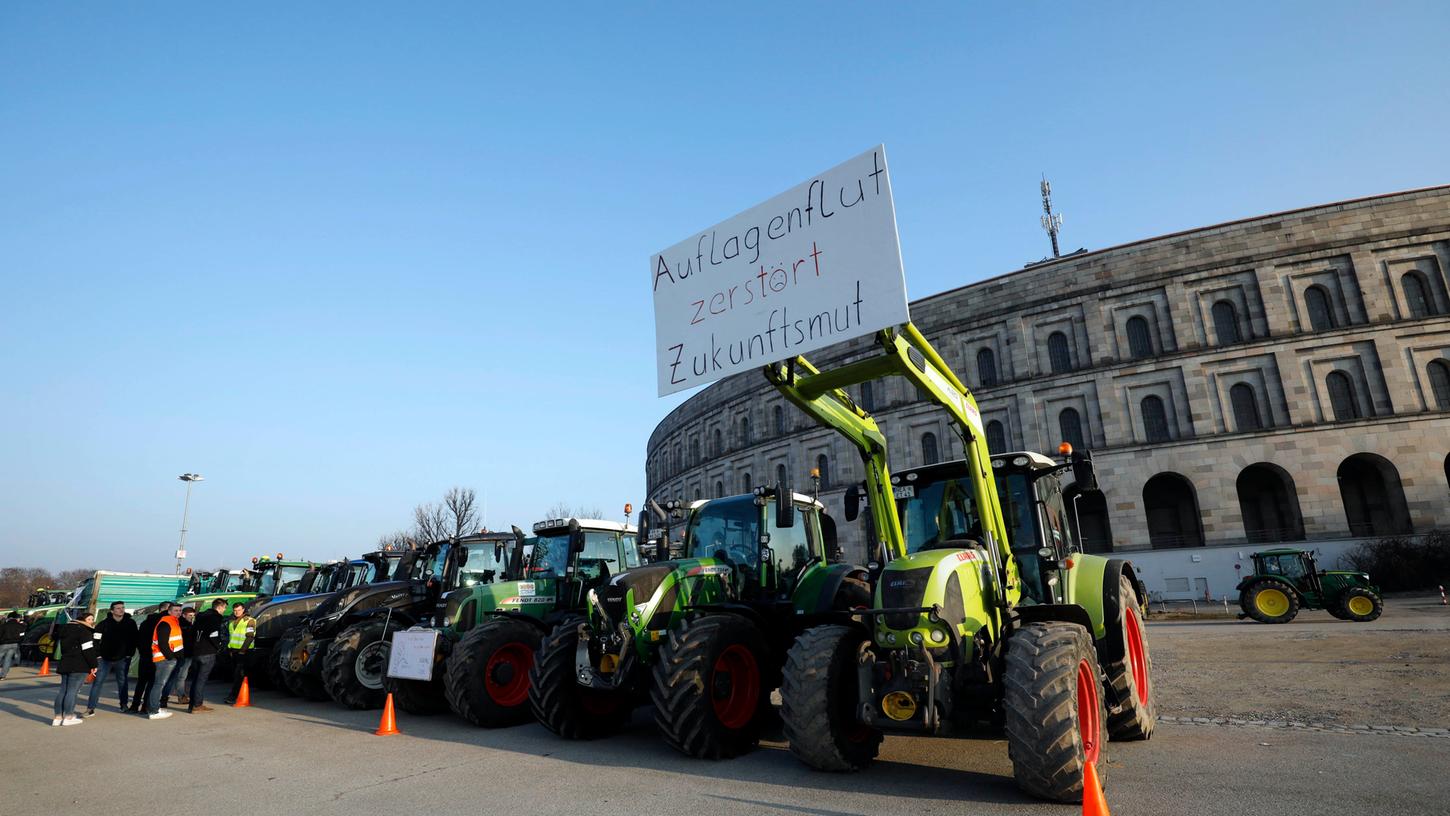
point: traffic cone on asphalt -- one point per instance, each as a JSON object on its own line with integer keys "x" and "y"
{"x": 244, "y": 697}
{"x": 44, "y": 668}
{"x": 1093, "y": 803}
{"x": 389, "y": 723}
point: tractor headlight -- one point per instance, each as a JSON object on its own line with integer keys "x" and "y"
{"x": 891, "y": 638}
{"x": 916, "y": 638}
{"x": 938, "y": 636}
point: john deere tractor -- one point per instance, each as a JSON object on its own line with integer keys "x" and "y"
{"x": 1287, "y": 580}
{"x": 983, "y": 609}
{"x": 701, "y": 636}
{"x": 503, "y": 623}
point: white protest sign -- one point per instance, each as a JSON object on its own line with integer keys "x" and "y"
{"x": 816, "y": 265}
{"x": 411, "y": 657}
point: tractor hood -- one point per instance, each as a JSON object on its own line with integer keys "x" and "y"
{"x": 648, "y": 599}
{"x": 532, "y": 597}
{"x": 957, "y": 581}
{"x": 395, "y": 594}
{"x": 280, "y": 614}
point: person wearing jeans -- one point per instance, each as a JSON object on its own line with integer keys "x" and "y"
{"x": 209, "y": 635}
{"x": 145, "y": 668}
{"x": 118, "y": 642}
{"x": 179, "y": 678}
{"x": 11, "y": 632}
{"x": 166, "y": 650}
{"x": 77, "y": 661}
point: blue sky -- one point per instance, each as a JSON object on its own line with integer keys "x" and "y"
{"x": 340, "y": 258}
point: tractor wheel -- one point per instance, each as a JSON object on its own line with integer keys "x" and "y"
{"x": 560, "y": 703}
{"x": 712, "y": 686}
{"x": 283, "y": 649}
{"x": 1132, "y": 677}
{"x": 487, "y": 679}
{"x": 306, "y": 686}
{"x": 1269, "y": 600}
{"x": 1360, "y": 605}
{"x": 1056, "y": 722}
{"x": 356, "y": 663}
{"x": 417, "y": 696}
{"x": 852, "y": 594}
{"x": 818, "y": 701}
{"x": 259, "y": 666}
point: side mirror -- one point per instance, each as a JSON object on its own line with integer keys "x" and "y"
{"x": 784, "y": 506}
{"x": 576, "y": 537}
{"x": 1083, "y": 472}
{"x": 828, "y": 538}
{"x": 853, "y": 502}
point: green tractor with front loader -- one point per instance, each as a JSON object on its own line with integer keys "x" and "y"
{"x": 702, "y": 635}
{"x": 499, "y": 626}
{"x": 983, "y": 610}
{"x": 1287, "y": 580}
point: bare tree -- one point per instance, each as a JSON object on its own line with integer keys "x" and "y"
{"x": 431, "y": 523}
{"x": 563, "y": 510}
{"x": 396, "y": 540}
{"x": 462, "y": 506}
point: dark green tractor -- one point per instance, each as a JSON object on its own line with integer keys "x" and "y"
{"x": 702, "y": 636}
{"x": 1287, "y": 580}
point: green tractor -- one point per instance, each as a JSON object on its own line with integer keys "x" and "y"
{"x": 702, "y": 636}
{"x": 1287, "y": 580}
{"x": 499, "y": 626}
{"x": 983, "y": 609}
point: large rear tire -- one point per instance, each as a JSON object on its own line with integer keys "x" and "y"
{"x": 487, "y": 679}
{"x": 818, "y": 701}
{"x": 1359, "y": 605}
{"x": 558, "y": 701}
{"x": 1131, "y": 677}
{"x": 1270, "y": 600}
{"x": 356, "y": 663}
{"x": 712, "y": 686}
{"x": 1056, "y": 722}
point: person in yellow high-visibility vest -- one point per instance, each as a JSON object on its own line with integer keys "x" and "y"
{"x": 241, "y": 631}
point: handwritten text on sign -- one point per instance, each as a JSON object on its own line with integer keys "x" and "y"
{"x": 816, "y": 265}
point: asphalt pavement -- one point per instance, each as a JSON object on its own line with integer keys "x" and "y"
{"x": 298, "y": 756}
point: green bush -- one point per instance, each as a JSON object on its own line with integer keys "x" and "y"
{"x": 1405, "y": 562}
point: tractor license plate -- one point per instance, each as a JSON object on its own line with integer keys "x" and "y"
{"x": 904, "y": 491}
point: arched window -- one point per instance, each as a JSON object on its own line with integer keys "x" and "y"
{"x": 697, "y": 494}
{"x": 719, "y": 442}
{"x": 1089, "y": 511}
{"x": 745, "y": 431}
{"x": 780, "y": 474}
{"x": 1155, "y": 419}
{"x": 1269, "y": 505}
{"x": 928, "y": 449}
{"x": 779, "y": 421}
{"x": 745, "y": 482}
{"x": 1140, "y": 339}
{"x": 679, "y": 459}
{"x": 1246, "y": 408}
{"x": 1374, "y": 501}
{"x": 1342, "y": 400}
{"x": 719, "y": 489}
{"x": 868, "y": 399}
{"x": 694, "y": 450}
{"x": 1226, "y": 323}
{"x": 1058, "y": 355}
{"x": 986, "y": 368}
{"x": 1417, "y": 294}
{"x": 996, "y": 437}
{"x": 823, "y": 467}
{"x": 1069, "y": 423}
{"x": 1172, "y": 508}
{"x": 1440, "y": 384}
{"x": 1320, "y": 308}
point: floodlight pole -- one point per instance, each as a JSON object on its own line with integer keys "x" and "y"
{"x": 190, "y": 479}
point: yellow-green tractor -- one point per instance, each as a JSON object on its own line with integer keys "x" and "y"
{"x": 1287, "y": 580}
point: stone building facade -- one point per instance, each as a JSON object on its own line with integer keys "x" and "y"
{"x": 1279, "y": 378}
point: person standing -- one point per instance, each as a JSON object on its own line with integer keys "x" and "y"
{"x": 241, "y": 631}
{"x": 118, "y": 641}
{"x": 210, "y": 637}
{"x": 77, "y": 660}
{"x": 145, "y": 669}
{"x": 166, "y": 650}
{"x": 11, "y": 633}
{"x": 180, "y": 679}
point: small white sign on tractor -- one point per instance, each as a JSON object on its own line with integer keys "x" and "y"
{"x": 816, "y": 265}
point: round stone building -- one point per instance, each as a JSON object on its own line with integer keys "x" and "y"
{"x": 1284, "y": 378}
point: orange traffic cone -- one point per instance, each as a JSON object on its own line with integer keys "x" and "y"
{"x": 389, "y": 723}
{"x": 244, "y": 697}
{"x": 1093, "y": 803}
{"x": 44, "y": 668}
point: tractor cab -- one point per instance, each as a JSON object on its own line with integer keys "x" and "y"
{"x": 279, "y": 577}
{"x": 581, "y": 552}
{"x": 485, "y": 558}
{"x": 769, "y": 538}
{"x": 1295, "y": 566}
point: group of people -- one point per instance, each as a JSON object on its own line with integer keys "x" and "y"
{"x": 177, "y": 650}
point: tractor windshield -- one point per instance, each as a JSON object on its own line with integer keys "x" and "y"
{"x": 483, "y": 561}
{"x": 939, "y": 512}
{"x": 727, "y": 529}
{"x": 282, "y": 580}
{"x": 550, "y": 558}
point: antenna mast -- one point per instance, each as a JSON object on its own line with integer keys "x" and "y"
{"x": 1051, "y": 221}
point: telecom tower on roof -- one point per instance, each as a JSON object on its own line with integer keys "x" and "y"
{"x": 1051, "y": 221}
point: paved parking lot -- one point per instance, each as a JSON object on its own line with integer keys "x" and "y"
{"x": 320, "y": 758}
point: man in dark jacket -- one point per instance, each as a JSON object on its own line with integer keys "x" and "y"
{"x": 118, "y": 643}
{"x": 77, "y": 660}
{"x": 209, "y": 634}
{"x": 145, "y": 669}
{"x": 11, "y": 632}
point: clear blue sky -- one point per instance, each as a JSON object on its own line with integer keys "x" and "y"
{"x": 338, "y": 259}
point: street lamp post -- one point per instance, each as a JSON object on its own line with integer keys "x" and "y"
{"x": 190, "y": 479}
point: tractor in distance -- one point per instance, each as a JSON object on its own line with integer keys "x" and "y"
{"x": 499, "y": 626}
{"x": 1287, "y": 580}
{"x": 703, "y": 635}
{"x": 982, "y": 607}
